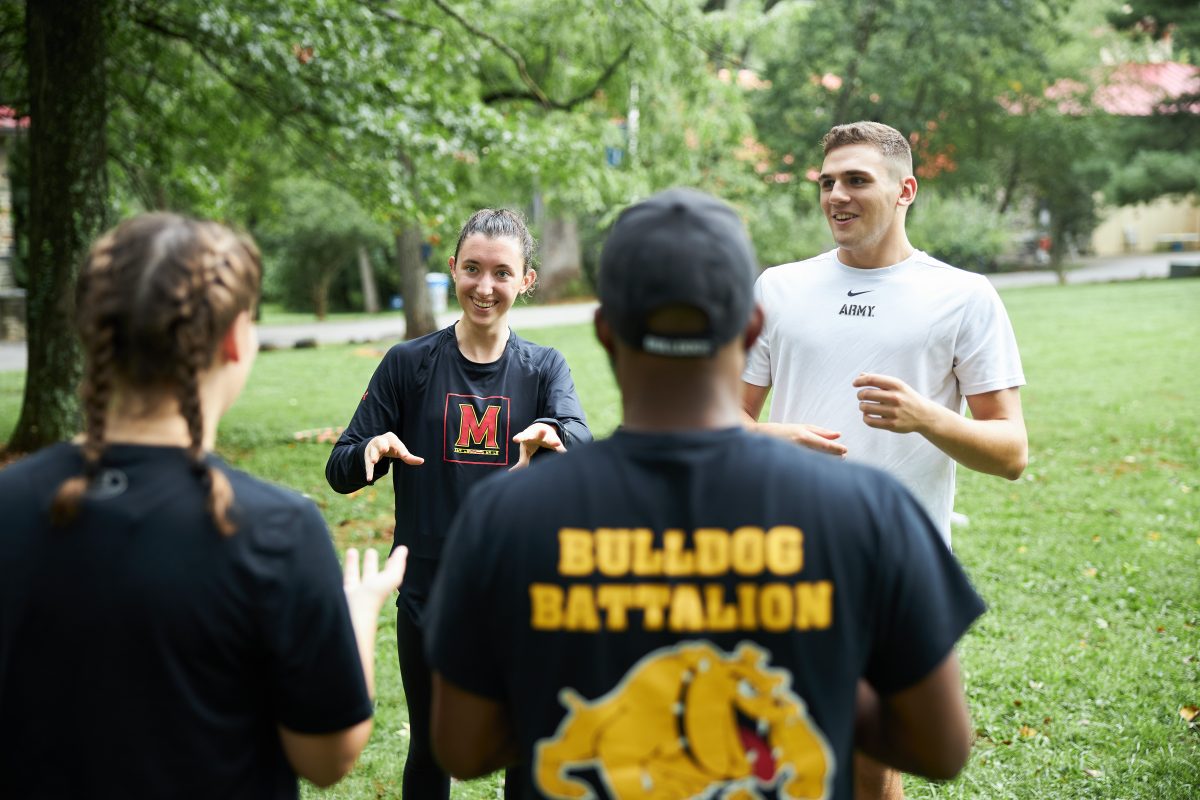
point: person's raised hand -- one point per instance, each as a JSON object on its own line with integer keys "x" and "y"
{"x": 890, "y": 404}
{"x": 537, "y": 436}
{"x": 814, "y": 437}
{"x": 387, "y": 445}
{"x": 368, "y": 586}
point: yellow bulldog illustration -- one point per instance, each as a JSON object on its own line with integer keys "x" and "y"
{"x": 686, "y": 721}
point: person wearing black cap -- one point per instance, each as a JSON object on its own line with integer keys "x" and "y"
{"x": 687, "y": 608}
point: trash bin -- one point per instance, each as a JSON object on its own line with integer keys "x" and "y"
{"x": 438, "y": 285}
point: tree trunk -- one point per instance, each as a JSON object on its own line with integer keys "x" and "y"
{"x": 367, "y": 275}
{"x": 418, "y": 311}
{"x": 562, "y": 258}
{"x": 68, "y": 198}
{"x": 320, "y": 293}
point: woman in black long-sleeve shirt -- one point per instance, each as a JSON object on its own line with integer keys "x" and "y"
{"x": 452, "y": 408}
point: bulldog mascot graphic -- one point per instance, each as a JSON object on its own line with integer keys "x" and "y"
{"x": 690, "y": 721}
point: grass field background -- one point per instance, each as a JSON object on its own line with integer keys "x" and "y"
{"x": 1081, "y": 674}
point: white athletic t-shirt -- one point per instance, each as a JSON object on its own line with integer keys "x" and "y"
{"x": 941, "y": 330}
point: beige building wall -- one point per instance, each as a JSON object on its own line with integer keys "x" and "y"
{"x": 1148, "y": 227}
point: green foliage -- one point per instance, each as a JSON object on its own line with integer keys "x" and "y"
{"x": 1176, "y": 20}
{"x": 1151, "y": 174}
{"x": 961, "y": 229}
{"x": 314, "y": 237}
{"x": 782, "y": 235}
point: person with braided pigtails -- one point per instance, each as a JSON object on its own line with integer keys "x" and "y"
{"x": 170, "y": 626}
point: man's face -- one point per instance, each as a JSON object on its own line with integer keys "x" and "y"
{"x": 860, "y": 192}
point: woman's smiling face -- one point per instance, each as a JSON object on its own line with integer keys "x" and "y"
{"x": 488, "y": 275}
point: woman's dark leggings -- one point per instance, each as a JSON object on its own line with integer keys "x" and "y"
{"x": 423, "y": 778}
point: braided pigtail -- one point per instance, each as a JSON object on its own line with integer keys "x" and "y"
{"x": 197, "y": 334}
{"x": 96, "y": 308}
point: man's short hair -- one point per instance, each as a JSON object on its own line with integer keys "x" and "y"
{"x": 884, "y": 138}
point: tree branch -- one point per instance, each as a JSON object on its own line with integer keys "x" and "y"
{"x": 396, "y": 17}
{"x": 513, "y": 55}
{"x": 515, "y": 94}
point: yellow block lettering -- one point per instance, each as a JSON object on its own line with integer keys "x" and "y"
{"x": 712, "y": 551}
{"x": 747, "y": 550}
{"x": 718, "y": 615}
{"x": 546, "y": 602}
{"x": 814, "y": 605}
{"x": 652, "y": 598}
{"x": 785, "y": 550}
{"x": 747, "y": 595}
{"x": 775, "y": 607}
{"x": 615, "y": 600}
{"x": 686, "y": 612}
{"x": 581, "y": 614}
{"x": 646, "y": 560}
{"x": 614, "y": 551}
{"x": 575, "y": 552}
{"x": 677, "y": 559}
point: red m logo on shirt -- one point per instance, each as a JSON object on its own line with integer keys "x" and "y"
{"x": 474, "y": 431}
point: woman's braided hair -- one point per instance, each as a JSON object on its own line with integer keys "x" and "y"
{"x": 155, "y": 297}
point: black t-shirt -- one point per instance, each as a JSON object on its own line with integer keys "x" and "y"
{"x": 460, "y": 417}
{"x": 143, "y": 654}
{"x": 687, "y": 611}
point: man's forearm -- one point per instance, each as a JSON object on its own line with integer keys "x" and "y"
{"x": 995, "y": 446}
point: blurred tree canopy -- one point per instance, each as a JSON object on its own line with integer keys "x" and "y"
{"x": 406, "y": 115}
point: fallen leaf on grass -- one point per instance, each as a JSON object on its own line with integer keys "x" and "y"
{"x": 1090, "y": 572}
{"x": 1028, "y": 732}
{"x": 1094, "y": 773}
{"x": 1153, "y": 536}
{"x": 1189, "y": 713}
{"x": 318, "y": 435}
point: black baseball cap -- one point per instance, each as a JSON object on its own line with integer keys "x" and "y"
{"x": 681, "y": 247}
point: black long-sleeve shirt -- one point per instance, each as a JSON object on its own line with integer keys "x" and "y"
{"x": 460, "y": 417}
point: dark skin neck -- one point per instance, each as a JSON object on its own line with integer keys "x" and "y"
{"x": 664, "y": 394}
{"x": 660, "y": 394}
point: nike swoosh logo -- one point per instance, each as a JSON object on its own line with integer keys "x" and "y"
{"x": 856, "y": 294}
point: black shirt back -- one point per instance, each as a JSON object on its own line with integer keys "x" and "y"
{"x": 144, "y": 654}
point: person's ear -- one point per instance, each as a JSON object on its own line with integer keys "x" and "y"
{"x": 450, "y": 261}
{"x": 753, "y": 327}
{"x": 527, "y": 280}
{"x": 908, "y": 191}
{"x": 604, "y": 333}
{"x": 234, "y": 342}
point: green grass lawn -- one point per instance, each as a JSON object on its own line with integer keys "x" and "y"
{"x": 1077, "y": 674}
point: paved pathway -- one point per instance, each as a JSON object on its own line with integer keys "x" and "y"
{"x": 391, "y": 327}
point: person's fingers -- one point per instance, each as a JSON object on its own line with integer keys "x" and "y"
{"x": 350, "y": 573}
{"x": 824, "y": 433}
{"x": 880, "y": 381}
{"x": 394, "y": 569}
{"x": 410, "y": 459}
{"x": 370, "y": 566}
{"x": 822, "y": 445}
{"x": 522, "y": 460}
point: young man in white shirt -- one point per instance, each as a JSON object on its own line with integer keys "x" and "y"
{"x": 876, "y": 339}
